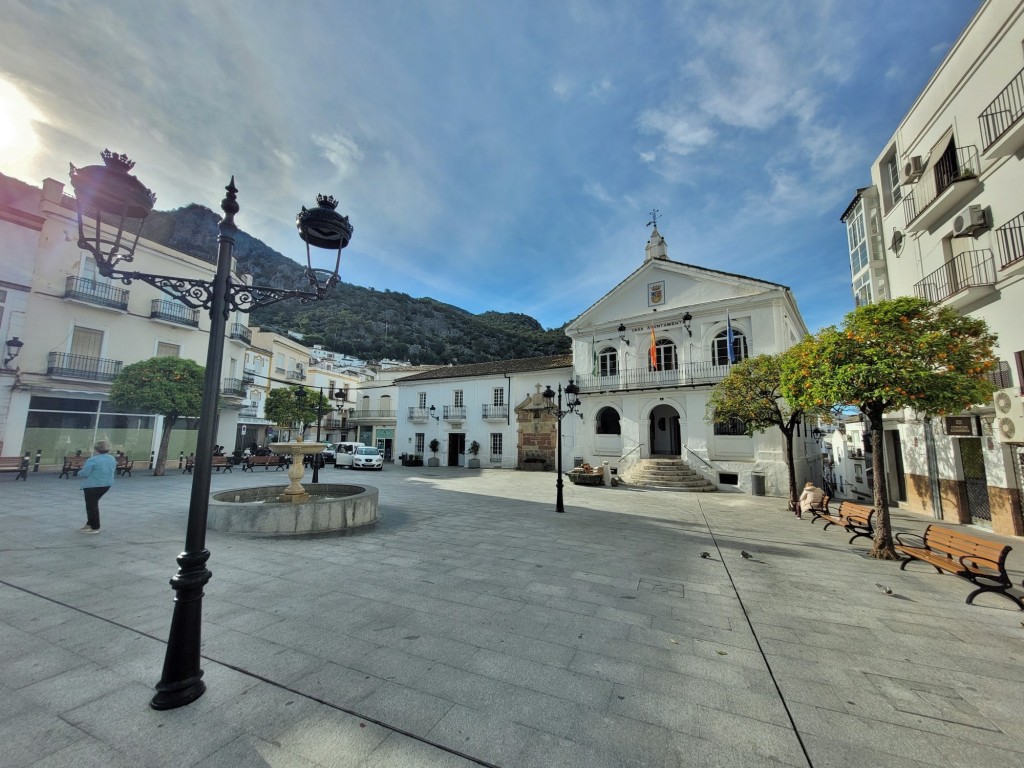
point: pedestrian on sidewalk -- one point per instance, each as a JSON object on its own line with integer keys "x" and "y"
{"x": 97, "y": 476}
{"x": 811, "y": 497}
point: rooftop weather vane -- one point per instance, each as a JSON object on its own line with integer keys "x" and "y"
{"x": 654, "y": 218}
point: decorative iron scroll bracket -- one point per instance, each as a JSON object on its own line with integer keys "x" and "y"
{"x": 198, "y": 294}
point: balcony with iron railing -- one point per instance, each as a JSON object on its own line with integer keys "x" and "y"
{"x": 942, "y": 189}
{"x": 248, "y": 378}
{"x": 249, "y": 412}
{"x": 419, "y": 415}
{"x": 696, "y": 374}
{"x": 65, "y": 366}
{"x": 233, "y": 388}
{"x": 373, "y": 415}
{"x": 295, "y": 375}
{"x": 240, "y": 333}
{"x": 494, "y": 412}
{"x": 1010, "y": 237}
{"x": 333, "y": 423}
{"x": 173, "y": 312}
{"x": 961, "y": 280}
{"x": 96, "y": 293}
{"x": 1002, "y": 129}
{"x": 454, "y": 413}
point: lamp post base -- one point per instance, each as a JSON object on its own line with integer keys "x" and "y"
{"x": 178, "y": 695}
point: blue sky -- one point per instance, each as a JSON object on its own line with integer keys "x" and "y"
{"x": 492, "y": 155}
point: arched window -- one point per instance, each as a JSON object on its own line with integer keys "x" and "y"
{"x": 608, "y": 362}
{"x": 664, "y": 356}
{"x": 608, "y": 422}
{"x": 720, "y": 347}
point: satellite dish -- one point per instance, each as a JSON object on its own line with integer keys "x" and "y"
{"x": 897, "y": 242}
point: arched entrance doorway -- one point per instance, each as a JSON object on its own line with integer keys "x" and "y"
{"x": 665, "y": 439}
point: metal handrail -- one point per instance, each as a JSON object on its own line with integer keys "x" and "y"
{"x": 699, "y": 457}
{"x": 1011, "y": 241}
{"x": 94, "y": 292}
{"x": 636, "y": 447}
{"x": 962, "y": 165}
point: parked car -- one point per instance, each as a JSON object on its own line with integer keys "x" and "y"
{"x": 340, "y": 454}
{"x": 367, "y": 457}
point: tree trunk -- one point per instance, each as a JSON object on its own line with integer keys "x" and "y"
{"x": 883, "y": 547}
{"x": 165, "y": 440}
{"x": 790, "y": 467}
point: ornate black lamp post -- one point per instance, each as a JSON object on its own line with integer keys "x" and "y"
{"x": 112, "y": 204}
{"x": 572, "y": 404}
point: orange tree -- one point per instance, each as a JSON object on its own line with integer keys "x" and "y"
{"x": 169, "y": 386}
{"x": 902, "y": 353}
{"x": 751, "y": 392}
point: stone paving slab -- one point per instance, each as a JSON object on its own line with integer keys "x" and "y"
{"x": 474, "y": 626}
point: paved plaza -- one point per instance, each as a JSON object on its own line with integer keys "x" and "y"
{"x": 474, "y": 626}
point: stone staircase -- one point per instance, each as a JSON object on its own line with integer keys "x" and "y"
{"x": 670, "y": 475}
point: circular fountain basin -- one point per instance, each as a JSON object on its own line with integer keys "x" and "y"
{"x": 330, "y": 507}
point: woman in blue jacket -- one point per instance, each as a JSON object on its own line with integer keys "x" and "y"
{"x": 97, "y": 476}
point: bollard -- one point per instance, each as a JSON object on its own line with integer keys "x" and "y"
{"x": 181, "y": 459}
{"x": 39, "y": 458}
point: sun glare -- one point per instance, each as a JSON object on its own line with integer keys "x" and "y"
{"x": 18, "y": 115}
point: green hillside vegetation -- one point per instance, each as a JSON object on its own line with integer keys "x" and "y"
{"x": 363, "y": 322}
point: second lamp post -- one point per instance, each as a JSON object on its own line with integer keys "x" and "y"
{"x": 572, "y": 404}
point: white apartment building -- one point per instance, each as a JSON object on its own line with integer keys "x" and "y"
{"x": 80, "y": 329}
{"x": 943, "y": 219}
{"x": 461, "y": 404}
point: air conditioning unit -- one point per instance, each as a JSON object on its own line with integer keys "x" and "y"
{"x": 1009, "y": 421}
{"x": 913, "y": 169}
{"x": 970, "y": 220}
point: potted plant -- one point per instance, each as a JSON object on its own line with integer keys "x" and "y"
{"x": 435, "y": 446}
{"x": 474, "y": 449}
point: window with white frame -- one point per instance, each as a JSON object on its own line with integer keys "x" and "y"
{"x": 856, "y": 233}
{"x": 419, "y": 442}
{"x": 720, "y": 347}
{"x": 421, "y": 399}
{"x": 457, "y": 400}
{"x": 891, "y": 189}
{"x": 163, "y": 349}
{"x": 665, "y": 358}
{"x": 498, "y": 396}
{"x": 608, "y": 362}
{"x": 496, "y": 446}
{"x": 862, "y": 289}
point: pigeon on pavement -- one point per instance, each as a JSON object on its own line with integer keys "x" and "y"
{"x": 705, "y": 554}
{"x": 746, "y": 555}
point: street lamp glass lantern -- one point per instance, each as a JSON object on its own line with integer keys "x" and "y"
{"x": 549, "y": 396}
{"x": 572, "y": 394}
{"x": 116, "y": 203}
{"x": 323, "y": 227}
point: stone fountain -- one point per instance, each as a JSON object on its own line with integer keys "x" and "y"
{"x": 279, "y": 510}
{"x": 295, "y": 493}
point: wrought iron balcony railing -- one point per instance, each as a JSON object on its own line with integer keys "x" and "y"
{"x": 65, "y": 366}
{"x": 1004, "y": 111}
{"x": 960, "y": 165}
{"x": 332, "y": 424}
{"x": 248, "y": 413}
{"x": 248, "y": 378}
{"x": 173, "y": 312}
{"x": 373, "y": 414}
{"x": 968, "y": 270}
{"x": 233, "y": 387}
{"x": 454, "y": 413}
{"x": 1011, "y": 241}
{"x": 100, "y": 294}
{"x": 494, "y": 412}
{"x": 419, "y": 415}
{"x": 686, "y": 375}
{"x": 295, "y": 375}
{"x": 241, "y": 333}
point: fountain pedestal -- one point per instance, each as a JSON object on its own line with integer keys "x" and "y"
{"x": 295, "y": 493}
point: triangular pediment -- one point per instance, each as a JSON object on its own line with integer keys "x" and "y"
{"x": 662, "y": 286}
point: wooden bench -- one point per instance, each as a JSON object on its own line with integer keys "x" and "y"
{"x": 219, "y": 463}
{"x": 855, "y": 518}
{"x": 278, "y": 462}
{"x": 17, "y": 464}
{"x": 124, "y": 466}
{"x": 71, "y": 466}
{"x": 981, "y": 561}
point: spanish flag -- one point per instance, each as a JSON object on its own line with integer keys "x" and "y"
{"x": 654, "y": 354}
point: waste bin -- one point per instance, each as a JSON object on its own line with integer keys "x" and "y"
{"x": 577, "y": 462}
{"x": 757, "y": 483}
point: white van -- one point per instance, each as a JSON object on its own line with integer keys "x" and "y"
{"x": 343, "y": 454}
